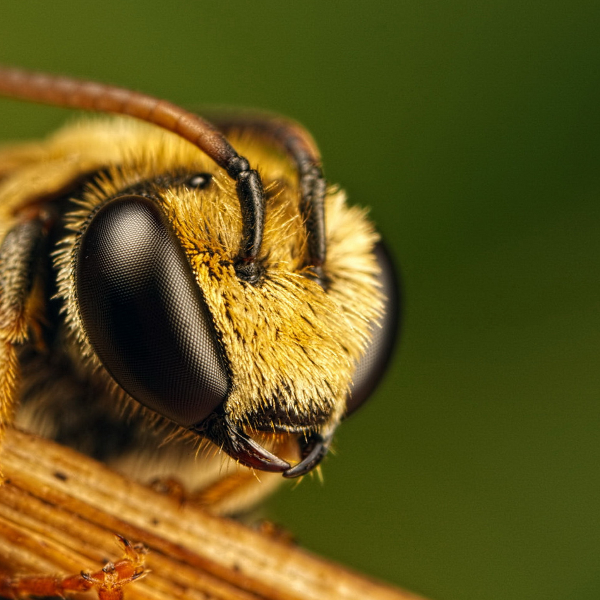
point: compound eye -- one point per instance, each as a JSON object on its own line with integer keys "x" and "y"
{"x": 373, "y": 364}
{"x": 144, "y": 314}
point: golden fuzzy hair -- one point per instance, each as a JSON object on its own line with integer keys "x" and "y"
{"x": 286, "y": 340}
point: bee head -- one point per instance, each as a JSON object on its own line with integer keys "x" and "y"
{"x": 158, "y": 293}
{"x": 231, "y": 312}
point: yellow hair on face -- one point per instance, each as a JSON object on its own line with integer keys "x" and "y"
{"x": 291, "y": 346}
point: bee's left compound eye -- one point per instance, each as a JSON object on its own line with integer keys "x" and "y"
{"x": 373, "y": 364}
{"x": 144, "y": 314}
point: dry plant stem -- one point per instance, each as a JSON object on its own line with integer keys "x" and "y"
{"x": 60, "y": 511}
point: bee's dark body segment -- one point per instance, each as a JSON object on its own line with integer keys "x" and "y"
{"x": 78, "y": 406}
{"x": 135, "y": 308}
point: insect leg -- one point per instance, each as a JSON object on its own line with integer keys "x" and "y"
{"x": 108, "y": 581}
{"x": 19, "y": 255}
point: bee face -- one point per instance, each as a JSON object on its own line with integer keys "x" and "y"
{"x": 241, "y": 322}
{"x": 152, "y": 294}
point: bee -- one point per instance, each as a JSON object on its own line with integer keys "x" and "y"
{"x": 179, "y": 308}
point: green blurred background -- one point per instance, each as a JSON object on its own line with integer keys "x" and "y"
{"x": 472, "y": 129}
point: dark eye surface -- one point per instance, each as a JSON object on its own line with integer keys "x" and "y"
{"x": 373, "y": 364}
{"x": 145, "y": 315}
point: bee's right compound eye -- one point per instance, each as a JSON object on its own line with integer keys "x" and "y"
{"x": 144, "y": 314}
